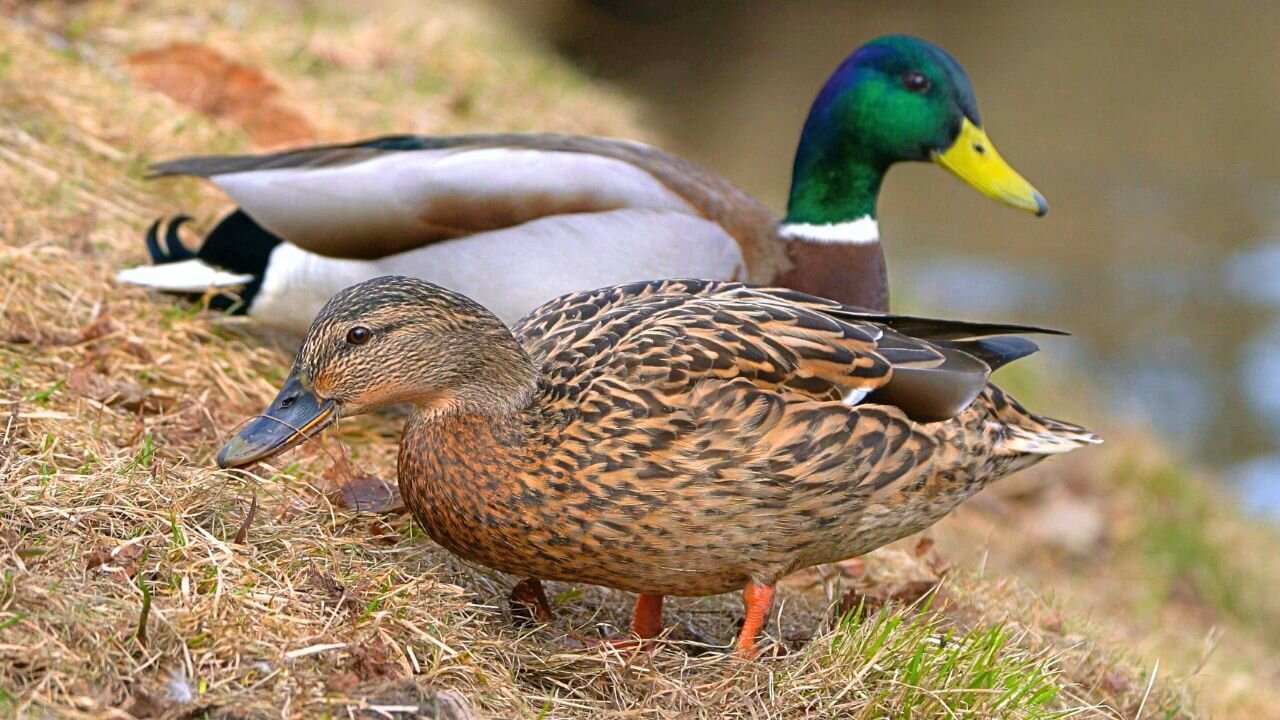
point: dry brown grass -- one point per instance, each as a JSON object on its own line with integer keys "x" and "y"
{"x": 131, "y": 582}
{"x": 1172, "y": 567}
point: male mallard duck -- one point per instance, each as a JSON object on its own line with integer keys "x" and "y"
{"x": 672, "y": 437}
{"x": 513, "y": 220}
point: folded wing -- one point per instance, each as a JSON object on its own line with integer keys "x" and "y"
{"x": 665, "y": 336}
{"x": 384, "y": 196}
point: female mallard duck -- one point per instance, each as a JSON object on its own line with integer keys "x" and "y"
{"x": 672, "y": 437}
{"x": 513, "y": 220}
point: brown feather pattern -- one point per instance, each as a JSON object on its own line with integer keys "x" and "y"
{"x": 668, "y": 438}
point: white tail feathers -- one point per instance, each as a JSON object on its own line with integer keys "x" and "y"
{"x": 183, "y": 276}
{"x": 1028, "y": 434}
{"x": 1051, "y": 438}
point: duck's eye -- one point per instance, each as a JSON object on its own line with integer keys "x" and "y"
{"x": 358, "y": 335}
{"x": 915, "y": 82}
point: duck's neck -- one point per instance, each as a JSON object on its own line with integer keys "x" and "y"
{"x": 463, "y": 476}
{"x": 465, "y": 452}
{"x": 447, "y": 452}
{"x": 831, "y": 233}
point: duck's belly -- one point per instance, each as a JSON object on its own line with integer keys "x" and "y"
{"x": 677, "y": 547}
{"x": 513, "y": 271}
{"x": 707, "y": 560}
{"x": 671, "y": 527}
{"x": 619, "y": 564}
{"x": 700, "y": 563}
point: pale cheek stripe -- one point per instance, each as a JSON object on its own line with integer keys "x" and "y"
{"x": 863, "y": 231}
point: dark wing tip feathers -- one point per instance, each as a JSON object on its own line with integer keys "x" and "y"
{"x": 207, "y": 166}
{"x": 996, "y": 352}
{"x": 935, "y": 329}
{"x": 168, "y": 168}
{"x": 924, "y": 328}
{"x": 202, "y": 166}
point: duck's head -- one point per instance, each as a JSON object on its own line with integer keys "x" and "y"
{"x": 895, "y": 99}
{"x": 384, "y": 342}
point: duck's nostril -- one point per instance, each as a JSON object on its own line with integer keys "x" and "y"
{"x": 980, "y": 149}
{"x": 288, "y": 402}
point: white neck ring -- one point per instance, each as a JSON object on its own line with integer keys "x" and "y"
{"x": 863, "y": 231}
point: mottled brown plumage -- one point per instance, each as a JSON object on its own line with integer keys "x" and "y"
{"x": 669, "y": 437}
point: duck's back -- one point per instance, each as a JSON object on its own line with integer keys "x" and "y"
{"x": 375, "y": 198}
{"x": 692, "y": 436}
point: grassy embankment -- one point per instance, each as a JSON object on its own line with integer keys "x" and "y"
{"x": 130, "y": 578}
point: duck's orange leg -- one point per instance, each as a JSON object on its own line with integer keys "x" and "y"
{"x": 646, "y": 624}
{"x": 757, "y": 599}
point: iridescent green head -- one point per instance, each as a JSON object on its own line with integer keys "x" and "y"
{"x": 895, "y": 99}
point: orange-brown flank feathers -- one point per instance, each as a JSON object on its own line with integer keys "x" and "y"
{"x": 675, "y": 437}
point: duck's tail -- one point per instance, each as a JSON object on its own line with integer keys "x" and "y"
{"x": 233, "y": 255}
{"x": 1034, "y": 436}
{"x": 175, "y": 268}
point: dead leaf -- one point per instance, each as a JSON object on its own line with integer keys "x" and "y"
{"x": 138, "y": 351}
{"x": 186, "y": 423}
{"x": 119, "y": 563}
{"x": 98, "y": 328}
{"x": 938, "y": 565}
{"x": 359, "y": 490}
{"x": 22, "y": 333}
{"x": 923, "y": 546}
{"x": 343, "y": 682}
{"x": 853, "y": 568}
{"x": 872, "y": 599}
{"x": 383, "y": 534}
{"x": 911, "y": 591}
{"x": 242, "y": 534}
{"x": 146, "y": 705}
{"x": 370, "y": 493}
{"x": 333, "y": 591}
{"x": 451, "y": 705}
{"x": 87, "y": 382}
{"x": 372, "y": 661}
{"x": 202, "y": 78}
{"x": 528, "y": 602}
{"x": 327, "y": 584}
{"x": 1114, "y": 682}
{"x": 1052, "y": 621}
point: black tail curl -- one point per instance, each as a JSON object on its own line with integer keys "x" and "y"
{"x": 236, "y": 244}
{"x": 172, "y": 250}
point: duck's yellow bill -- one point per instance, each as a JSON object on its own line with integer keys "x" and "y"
{"x": 973, "y": 159}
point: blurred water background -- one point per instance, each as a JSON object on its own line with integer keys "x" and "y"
{"x": 1151, "y": 128}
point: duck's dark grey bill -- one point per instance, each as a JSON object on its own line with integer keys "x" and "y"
{"x": 295, "y": 415}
